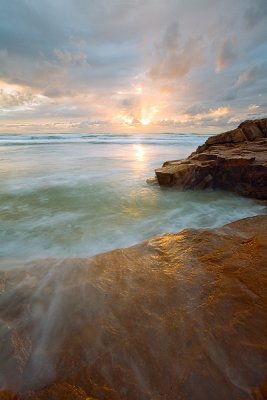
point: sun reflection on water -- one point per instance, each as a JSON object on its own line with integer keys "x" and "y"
{"x": 139, "y": 152}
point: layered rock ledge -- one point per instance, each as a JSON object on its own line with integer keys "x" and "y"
{"x": 234, "y": 161}
{"x": 182, "y": 316}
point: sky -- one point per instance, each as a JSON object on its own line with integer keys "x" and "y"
{"x": 133, "y": 66}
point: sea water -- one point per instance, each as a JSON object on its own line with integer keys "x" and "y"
{"x": 82, "y": 194}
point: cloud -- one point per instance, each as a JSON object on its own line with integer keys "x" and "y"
{"x": 211, "y": 114}
{"x": 67, "y": 58}
{"x": 15, "y": 98}
{"x": 215, "y": 117}
{"x": 251, "y": 75}
{"x": 227, "y": 55}
{"x": 83, "y": 61}
{"x": 249, "y": 84}
{"x": 253, "y": 107}
{"x": 170, "y": 41}
{"x": 173, "y": 60}
{"x": 256, "y": 13}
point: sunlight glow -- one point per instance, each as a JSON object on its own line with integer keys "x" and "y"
{"x": 127, "y": 119}
{"x": 145, "y": 121}
{"x": 139, "y": 152}
{"x": 147, "y": 115}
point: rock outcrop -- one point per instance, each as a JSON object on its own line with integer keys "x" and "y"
{"x": 182, "y": 316}
{"x": 234, "y": 161}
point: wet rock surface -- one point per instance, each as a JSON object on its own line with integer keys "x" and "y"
{"x": 234, "y": 161}
{"x": 181, "y": 316}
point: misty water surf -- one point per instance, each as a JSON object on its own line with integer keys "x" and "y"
{"x": 79, "y": 195}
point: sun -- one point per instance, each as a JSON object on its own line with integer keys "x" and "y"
{"x": 147, "y": 115}
{"x": 144, "y": 116}
{"x": 145, "y": 121}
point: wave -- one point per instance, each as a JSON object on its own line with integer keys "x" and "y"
{"x": 117, "y": 139}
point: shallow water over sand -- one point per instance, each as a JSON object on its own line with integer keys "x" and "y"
{"x": 78, "y": 195}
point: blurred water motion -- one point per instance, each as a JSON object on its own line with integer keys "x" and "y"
{"x": 78, "y": 195}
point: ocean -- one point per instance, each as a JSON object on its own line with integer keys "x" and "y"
{"x": 69, "y": 195}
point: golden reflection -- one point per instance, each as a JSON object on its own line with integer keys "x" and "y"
{"x": 139, "y": 152}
